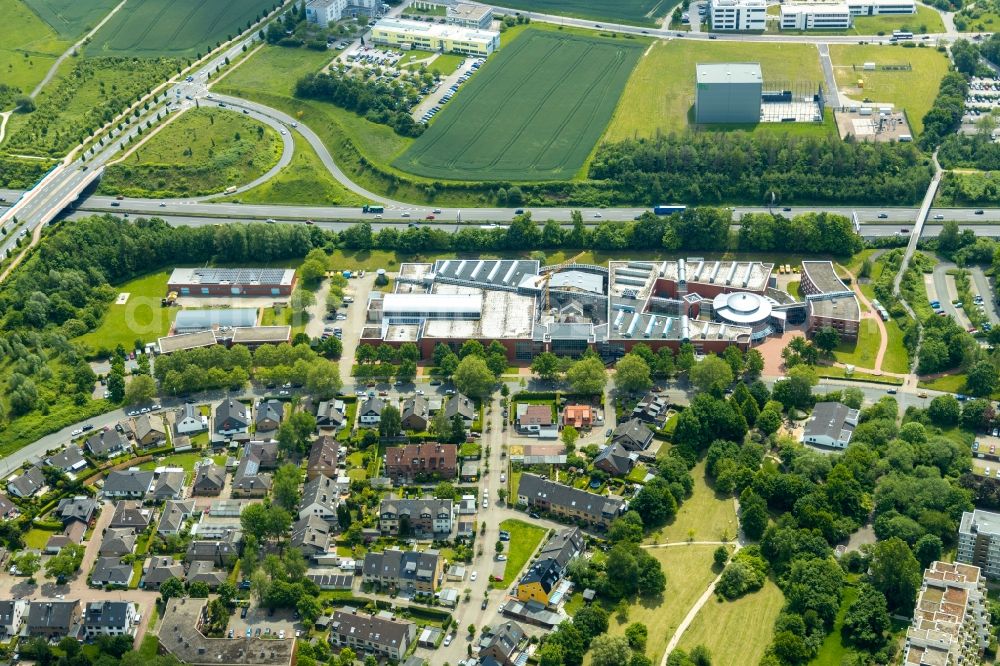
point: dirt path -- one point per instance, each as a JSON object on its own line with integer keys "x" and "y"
{"x": 74, "y": 49}
{"x": 872, "y": 314}
{"x": 4, "y": 117}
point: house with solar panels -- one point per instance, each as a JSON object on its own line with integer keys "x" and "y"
{"x": 232, "y": 281}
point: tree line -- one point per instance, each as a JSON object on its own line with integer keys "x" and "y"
{"x": 378, "y": 102}
{"x": 743, "y": 167}
{"x": 945, "y": 116}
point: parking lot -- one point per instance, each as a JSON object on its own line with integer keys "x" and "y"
{"x": 257, "y": 619}
{"x": 983, "y": 99}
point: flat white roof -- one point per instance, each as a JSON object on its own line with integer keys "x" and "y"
{"x": 432, "y": 303}
{"x": 435, "y": 30}
{"x": 504, "y": 315}
{"x": 824, "y": 8}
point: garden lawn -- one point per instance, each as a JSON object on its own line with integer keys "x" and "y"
{"x": 689, "y": 571}
{"x": 72, "y": 18}
{"x": 204, "y": 151}
{"x": 141, "y": 316}
{"x": 833, "y": 651}
{"x": 705, "y": 516}
{"x": 926, "y": 20}
{"x": 634, "y": 12}
{"x": 660, "y": 93}
{"x": 534, "y": 111}
{"x": 913, "y": 90}
{"x": 37, "y": 538}
{"x": 896, "y": 358}
{"x": 184, "y": 460}
{"x": 27, "y": 51}
{"x": 524, "y": 540}
{"x": 305, "y": 181}
{"x": 861, "y": 353}
{"x": 178, "y": 28}
{"x": 736, "y": 632}
{"x": 948, "y": 383}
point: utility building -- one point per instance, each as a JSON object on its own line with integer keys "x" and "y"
{"x": 728, "y": 93}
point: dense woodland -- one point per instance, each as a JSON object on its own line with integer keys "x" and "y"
{"x": 383, "y": 103}
{"x": 729, "y": 167}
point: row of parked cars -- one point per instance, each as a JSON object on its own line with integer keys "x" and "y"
{"x": 452, "y": 89}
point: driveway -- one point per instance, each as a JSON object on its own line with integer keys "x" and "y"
{"x": 985, "y": 289}
{"x": 317, "y": 311}
{"x": 359, "y": 289}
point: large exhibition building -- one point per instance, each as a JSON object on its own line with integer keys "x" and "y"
{"x": 570, "y": 308}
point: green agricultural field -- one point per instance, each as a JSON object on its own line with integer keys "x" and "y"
{"x": 27, "y": 51}
{"x": 305, "y": 181}
{"x": 736, "y": 632}
{"x": 534, "y": 111}
{"x": 689, "y": 571}
{"x": 204, "y": 151}
{"x": 85, "y": 94}
{"x": 633, "y": 12}
{"x": 72, "y": 18}
{"x": 178, "y": 28}
{"x": 660, "y": 93}
{"x": 913, "y": 90}
{"x": 140, "y": 317}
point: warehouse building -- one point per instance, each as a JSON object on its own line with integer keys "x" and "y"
{"x": 738, "y": 15}
{"x": 405, "y": 34}
{"x": 728, "y": 93}
{"x": 190, "y": 321}
{"x": 232, "y": 281}
{"x": 830, "y": 302}
{"x": 816, "y": 16}
{"x": 248, "y": 336}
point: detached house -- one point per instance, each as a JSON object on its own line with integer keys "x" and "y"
{"x": 320, "y": 498}
{"x": 463, "y": 406}
{"x": 111, "y": 571}
{"x": 633, "y": 435}
{"x": 312, "y": 535}
{"x": 127, "y": 484}
{"x": 536, "y": 420}
{"x": 331, "y": 415}
{"x": 209, "y": 479}
{"x": 249, "y": 480}
{"x": 405, "y": 464}
{"x": 131, "y": 515}
{"x": 109, "y": 618}
{"x": 614, "y": 460}
{"x": 423, "y": 518}
{"x": 27, "y": 483}
{"x": 323, "y": 458}
{"x": 148, "y": 430}
{"x": 268, "y": 415}
{"x": 652, "y": 409}
{"x": 117, "y": 542}
{"x": 8, "y": 510}
{"x": 220, "y": 552}
{"x": 501, "y": 643}
{"x": 416, "y": 413}
{"x": 169, "y": 485}
{"x": 370, "y": 412}
{"x": 161, "y": 568}
{"x": 232, "y": 417}
{"x": 107, "y": 444}
{"x": 52, "y": 618}
{"x": 69, "y": 460}
{"x": 189, "y": 420}
{"x": 175, "y": 514}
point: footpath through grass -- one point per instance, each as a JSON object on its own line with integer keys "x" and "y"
{"x": 736, "y": 632}
{"x": 660, "y": 92}
{"x": 202, "y": 152}
{"x": 27, "y": 50}
{"x": 913, "y": 90}
{"x": 534, "y": 111}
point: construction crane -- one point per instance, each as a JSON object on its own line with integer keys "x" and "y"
{"x": 557, "y": 269}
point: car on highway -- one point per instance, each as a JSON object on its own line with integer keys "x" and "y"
{"x": 429, "y": 217}
{"x": 939, "y": 217}
{"x": 979, "y": 212}
{"x": 883, "y": 216}
{"x": 436, "y": 211}
{"x": 404, "y": 214}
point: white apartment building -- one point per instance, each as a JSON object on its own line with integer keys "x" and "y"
{"x": 951, "y": 622}
{"x": 738, "y": 14}
{"x": 324, "y": 12}
{"x": 819, "y": 16}
{"x": 979, "y": 541}
{"x": 881, "y": 7}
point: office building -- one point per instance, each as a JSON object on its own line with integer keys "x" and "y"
{"x": 738, "y": 15}
{"x": 405, "y": 34}
{"x": 817, "y": 16}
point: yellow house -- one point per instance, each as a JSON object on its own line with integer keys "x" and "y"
{"x": 538, "y": 583}
{"x": 405, "y": 34}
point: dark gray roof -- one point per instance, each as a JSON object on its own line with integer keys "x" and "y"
{"x": 6, "y": 506}
{"x": 416, "y": 507}
{"x": 415, "y": 407}
{"x": 144, "y": 425}
{"x": 77, "y": 508}
{"x": 330, "y": 413}
{"x": 265, "y": 452}
{"x": 564, "y": 545}
{"x": 372, "y": 406}
{"x": 106, "y": 614}
{"x": 131, "y": 514}
{"x": 170, "y": 484}
{"x": 118, "y": 542}
{"x": 461, "y": 405}
{"x": 105, "y": 441}
{"x": 174, "y": 513}
{"x": 7, "y": 607}
{"x": 544, "y": 572}
{"x": 127, "y": 482}
{"x": 210, "y": 477}
{"x": 68, "y": 459}
{"x": 205, "y": 572}
{"x": 365, "y": 629}
{"x": 233, "y": 410}
{"x": 161, "y": 568}
{"x": 51, "y": 614}
{"x": 504, "y": 636}
{"x": 311, "y": 533}
{"x": 536, "y": 488}
{"x": 402, "y": 564}
{"x": 634, "y": 435}
{"x": 248, "y": 476}
{"x": 268, "y": 410}
{"x": 323, "y": 454}
{"x": 616, "y": 457}
{"x": 321, "y": 490}
{"x": 111, "y": 570}
{"x": 27, "y": 483}
{"x": 831, "y": 419}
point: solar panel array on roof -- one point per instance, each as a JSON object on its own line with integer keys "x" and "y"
{"x": 233, "y": 275}
{"x": 487, "y": 273}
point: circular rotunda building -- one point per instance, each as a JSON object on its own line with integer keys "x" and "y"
{"x": 743, "y": 308}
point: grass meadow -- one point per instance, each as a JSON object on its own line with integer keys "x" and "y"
{"x": 28, "y": 49}
{"x": 736, "y": 632}
{"x": 927, "y": 19}
{"x": 204, "y": 151}
{"x": 140, "y": 317}
{"x": 534, "y": 111}
{"x": 913, "y": 90}
{"x": 633, "y": 12}
{"x": 524, "y": 540}
{"x": 177, "y": 28}
{"x": 705, "y": 516}
{"x": 660, "y": 93}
